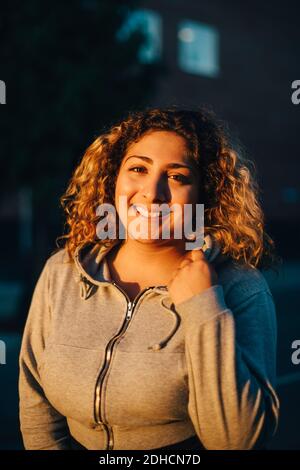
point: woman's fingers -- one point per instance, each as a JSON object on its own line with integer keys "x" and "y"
{"x": 190, "y": 257}
{"x": 184, "y": 262}
{"x": 195, "y": 255}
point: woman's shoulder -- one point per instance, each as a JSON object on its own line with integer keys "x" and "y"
{"x": 242, "y": 281}
{"x": 59, "y": 257}
{"x": 59, "y": 263}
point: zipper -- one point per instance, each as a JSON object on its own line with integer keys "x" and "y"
{"x": 108, "y": 354}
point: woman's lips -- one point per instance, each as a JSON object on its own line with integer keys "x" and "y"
{"x": 146, "y": 213}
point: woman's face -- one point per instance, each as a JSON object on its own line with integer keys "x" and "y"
{"x": 155, "y": 170}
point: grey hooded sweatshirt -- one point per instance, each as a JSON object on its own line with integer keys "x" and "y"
{"x": 114, "y": 374}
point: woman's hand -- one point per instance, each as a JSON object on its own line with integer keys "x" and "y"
{"x": 193, "y": 276}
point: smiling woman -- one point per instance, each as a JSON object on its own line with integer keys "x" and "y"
{"x": 141, "y": 343}
{"x": 156, "y": 171}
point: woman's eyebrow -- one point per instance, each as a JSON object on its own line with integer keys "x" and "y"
{"x": 170, "y": 165}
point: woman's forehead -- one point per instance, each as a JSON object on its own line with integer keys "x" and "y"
{"x": 162, "y": 145}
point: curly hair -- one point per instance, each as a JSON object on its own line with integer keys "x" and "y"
{"x": 229, "y": 191}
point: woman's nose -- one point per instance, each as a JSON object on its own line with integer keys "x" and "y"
{"x": 156, "y": 191}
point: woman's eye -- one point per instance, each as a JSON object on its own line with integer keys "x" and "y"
{"x": 180, "y": 178}
{"x": 137, "y": 169}
{"x": 142, "y": 169}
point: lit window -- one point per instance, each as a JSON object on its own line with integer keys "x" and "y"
{"x": 149, "y": 23}
{"x": 198, "y": 48}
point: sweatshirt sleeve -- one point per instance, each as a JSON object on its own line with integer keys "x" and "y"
{"x": 231, "y": 361}
{"x": 42, "y": 427}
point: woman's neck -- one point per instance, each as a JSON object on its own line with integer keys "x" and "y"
{"x": 143, "y": 259}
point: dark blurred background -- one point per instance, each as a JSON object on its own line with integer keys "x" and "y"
{"x": 69, "y": 68}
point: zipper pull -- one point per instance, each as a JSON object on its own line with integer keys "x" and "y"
{"x": 129, "y": 310}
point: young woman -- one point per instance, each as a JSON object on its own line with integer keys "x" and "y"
{"x": 139, "y": 342}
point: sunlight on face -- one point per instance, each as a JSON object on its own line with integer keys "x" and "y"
{"x": 156, "y": 170}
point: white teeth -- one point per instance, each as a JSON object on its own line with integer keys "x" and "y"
{"x": 143, "y": 211}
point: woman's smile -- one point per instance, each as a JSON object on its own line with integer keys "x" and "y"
{"x": 148, "y": 213}
{"x": 156, "y": 175}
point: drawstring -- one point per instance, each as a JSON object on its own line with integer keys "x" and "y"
{"x": 85, "y": 287}
{"x": 211, "y": 250}
{"x": 176, "y": 318}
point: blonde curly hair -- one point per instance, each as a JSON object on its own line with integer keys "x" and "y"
{"x": 229, "y": 191}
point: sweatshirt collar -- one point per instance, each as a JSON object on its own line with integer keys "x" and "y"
{"x": 92, "y": 266}
{"x": 90, "y": 260}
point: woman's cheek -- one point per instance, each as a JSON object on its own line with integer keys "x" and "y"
{"x": 125, "y": 184}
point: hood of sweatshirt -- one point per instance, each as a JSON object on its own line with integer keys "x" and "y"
{"x": 109, "y": 376}
{"x": 92, "y": 267}
{"x": 93, "y": 272}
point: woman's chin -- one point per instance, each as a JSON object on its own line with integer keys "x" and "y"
{"x": 147, "y": 239}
